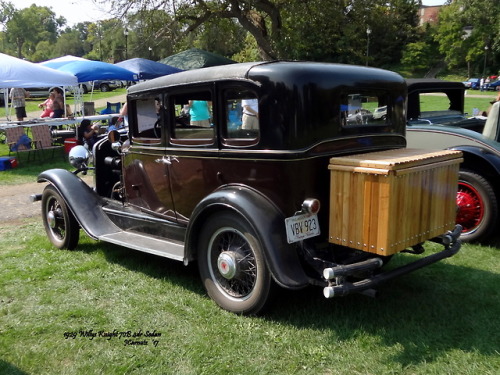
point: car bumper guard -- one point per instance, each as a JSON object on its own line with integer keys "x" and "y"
{"x": 338, "y": 286}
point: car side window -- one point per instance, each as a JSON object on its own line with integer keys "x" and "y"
{"x": 241, "y": 118}
{"x": 364, "y": 108}
{"x": 194, "y": 121}
{"x": 145, "y": 119}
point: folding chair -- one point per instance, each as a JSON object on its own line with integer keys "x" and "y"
{"x": 18, "y": 142}
{"x": 111, "y": 108}
{"x": 42, "y": 137}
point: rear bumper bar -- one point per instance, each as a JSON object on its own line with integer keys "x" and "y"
{"x": 339, "y": 287}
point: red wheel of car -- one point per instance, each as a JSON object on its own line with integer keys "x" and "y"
{"x": 477, "y": 206}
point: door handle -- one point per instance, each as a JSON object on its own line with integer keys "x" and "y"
{"x": 167, "y": 160}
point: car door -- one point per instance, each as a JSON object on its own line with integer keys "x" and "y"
{"x": 146, "y": 166}
{"x": 192, "y": 152}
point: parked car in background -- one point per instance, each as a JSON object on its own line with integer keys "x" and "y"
{"x": 478, "y": 194}
{"x": 267, "y": 203}
{"x": 39, "y": 92}
{"x": 473, "y": 83}
{"x": 380, "y": 113}
{"x": 103, "y": 86}
{"x": 43, "y": 92}
{"x": 494, "y": 86}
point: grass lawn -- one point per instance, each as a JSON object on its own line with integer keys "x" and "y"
{"x": 90, "y": 311}
{"x": 103, "y": 309}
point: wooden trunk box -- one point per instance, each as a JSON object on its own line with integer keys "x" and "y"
{"x": 384, "y": 202}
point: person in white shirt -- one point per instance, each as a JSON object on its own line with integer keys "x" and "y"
{"x": 250, "y": 118}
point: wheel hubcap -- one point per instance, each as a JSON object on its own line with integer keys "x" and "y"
{"x": 470, "y": 207}
{"x": 51, "y": 219}
{"x": 227, "y": 264}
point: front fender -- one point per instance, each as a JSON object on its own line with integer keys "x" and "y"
{"x": 267, "y": 221}
{"x": 82, "y": 201}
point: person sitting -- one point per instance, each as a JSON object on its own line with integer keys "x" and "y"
{"x": 88, "y": 133}
{"x": 47, "y": 106}
{"x": 58, "y": 103}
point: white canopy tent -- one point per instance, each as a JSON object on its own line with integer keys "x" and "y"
{"x": 15, "y": 72}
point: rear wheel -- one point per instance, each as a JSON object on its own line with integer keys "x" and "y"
{"x": 60, "y": 224}
{"x": 232, "y": 266}
{"x": 477, "y": 206}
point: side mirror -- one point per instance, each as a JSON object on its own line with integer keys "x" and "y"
{"x": 79, "y": 157}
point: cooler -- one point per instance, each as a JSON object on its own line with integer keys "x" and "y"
{"x": 69, "y": 143}
{"x": 13, "y": 162}
{"x": 384, "y": 202}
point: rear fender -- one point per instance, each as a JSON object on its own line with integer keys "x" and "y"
{"x": 267, "y": 221}
{"x": 81, "y": 199}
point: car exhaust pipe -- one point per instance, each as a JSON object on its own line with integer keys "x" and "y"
{"x": 349, "y": 269}
{"x": 35, "y": 197}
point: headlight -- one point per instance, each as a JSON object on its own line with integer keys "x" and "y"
{"x": 79, "y": 157}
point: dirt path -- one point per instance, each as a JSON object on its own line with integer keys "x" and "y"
{"x": 15, "y": 200}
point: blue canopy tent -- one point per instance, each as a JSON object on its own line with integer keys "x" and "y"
{"x": 89, "y": 70}
{"x": 97, "y": 70}
{"x": 60, "y": 61}
{"x": 147, "y": 69}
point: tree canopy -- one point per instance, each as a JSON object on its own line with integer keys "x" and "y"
{"x": 381, "y": 33}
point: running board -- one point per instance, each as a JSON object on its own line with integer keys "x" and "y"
{"x": 168, "y": 249}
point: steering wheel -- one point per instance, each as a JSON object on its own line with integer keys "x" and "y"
{"x": 157, "y": 129}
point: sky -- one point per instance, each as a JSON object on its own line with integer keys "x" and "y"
{"x": 86, "y": 10}
{"x": 73, "y": 10}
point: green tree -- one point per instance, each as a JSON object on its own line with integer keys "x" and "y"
{"x": 261, "y": 18}
{"x": 68, "y": 43}
{"x": 312, "y": 29}
{"x": 481, "y": 49}
{"x": 27, "y": 27}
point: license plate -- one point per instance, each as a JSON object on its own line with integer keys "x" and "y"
{"x": 300, "y": 227}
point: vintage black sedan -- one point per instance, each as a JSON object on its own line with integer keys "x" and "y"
{"x": 255, "y": 172}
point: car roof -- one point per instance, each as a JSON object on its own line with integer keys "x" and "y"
{"x": 431, "y": 84}
{"x": 278, "y": 71}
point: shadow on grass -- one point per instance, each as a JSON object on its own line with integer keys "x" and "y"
{"x": 427, "y": 313}
{"x": 8, "y": 369}
{"x": 151, "y": 265}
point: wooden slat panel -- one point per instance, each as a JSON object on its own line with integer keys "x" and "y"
{"x": 389, "y": 210}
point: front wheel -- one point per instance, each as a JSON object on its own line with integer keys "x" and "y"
{"x": 232, "y": 266}
{"x": 105, "y": 87}
{"x": 477, "y": 206}
{"x": 60, "y": 224}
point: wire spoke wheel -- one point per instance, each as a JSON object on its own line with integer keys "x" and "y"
{"x": 60, "y": 225}
{"x": 232, "y": 265}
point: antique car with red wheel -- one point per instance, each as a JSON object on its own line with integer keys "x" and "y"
{"x": 477, "y": 138}
{"x": 267, "y": 184}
